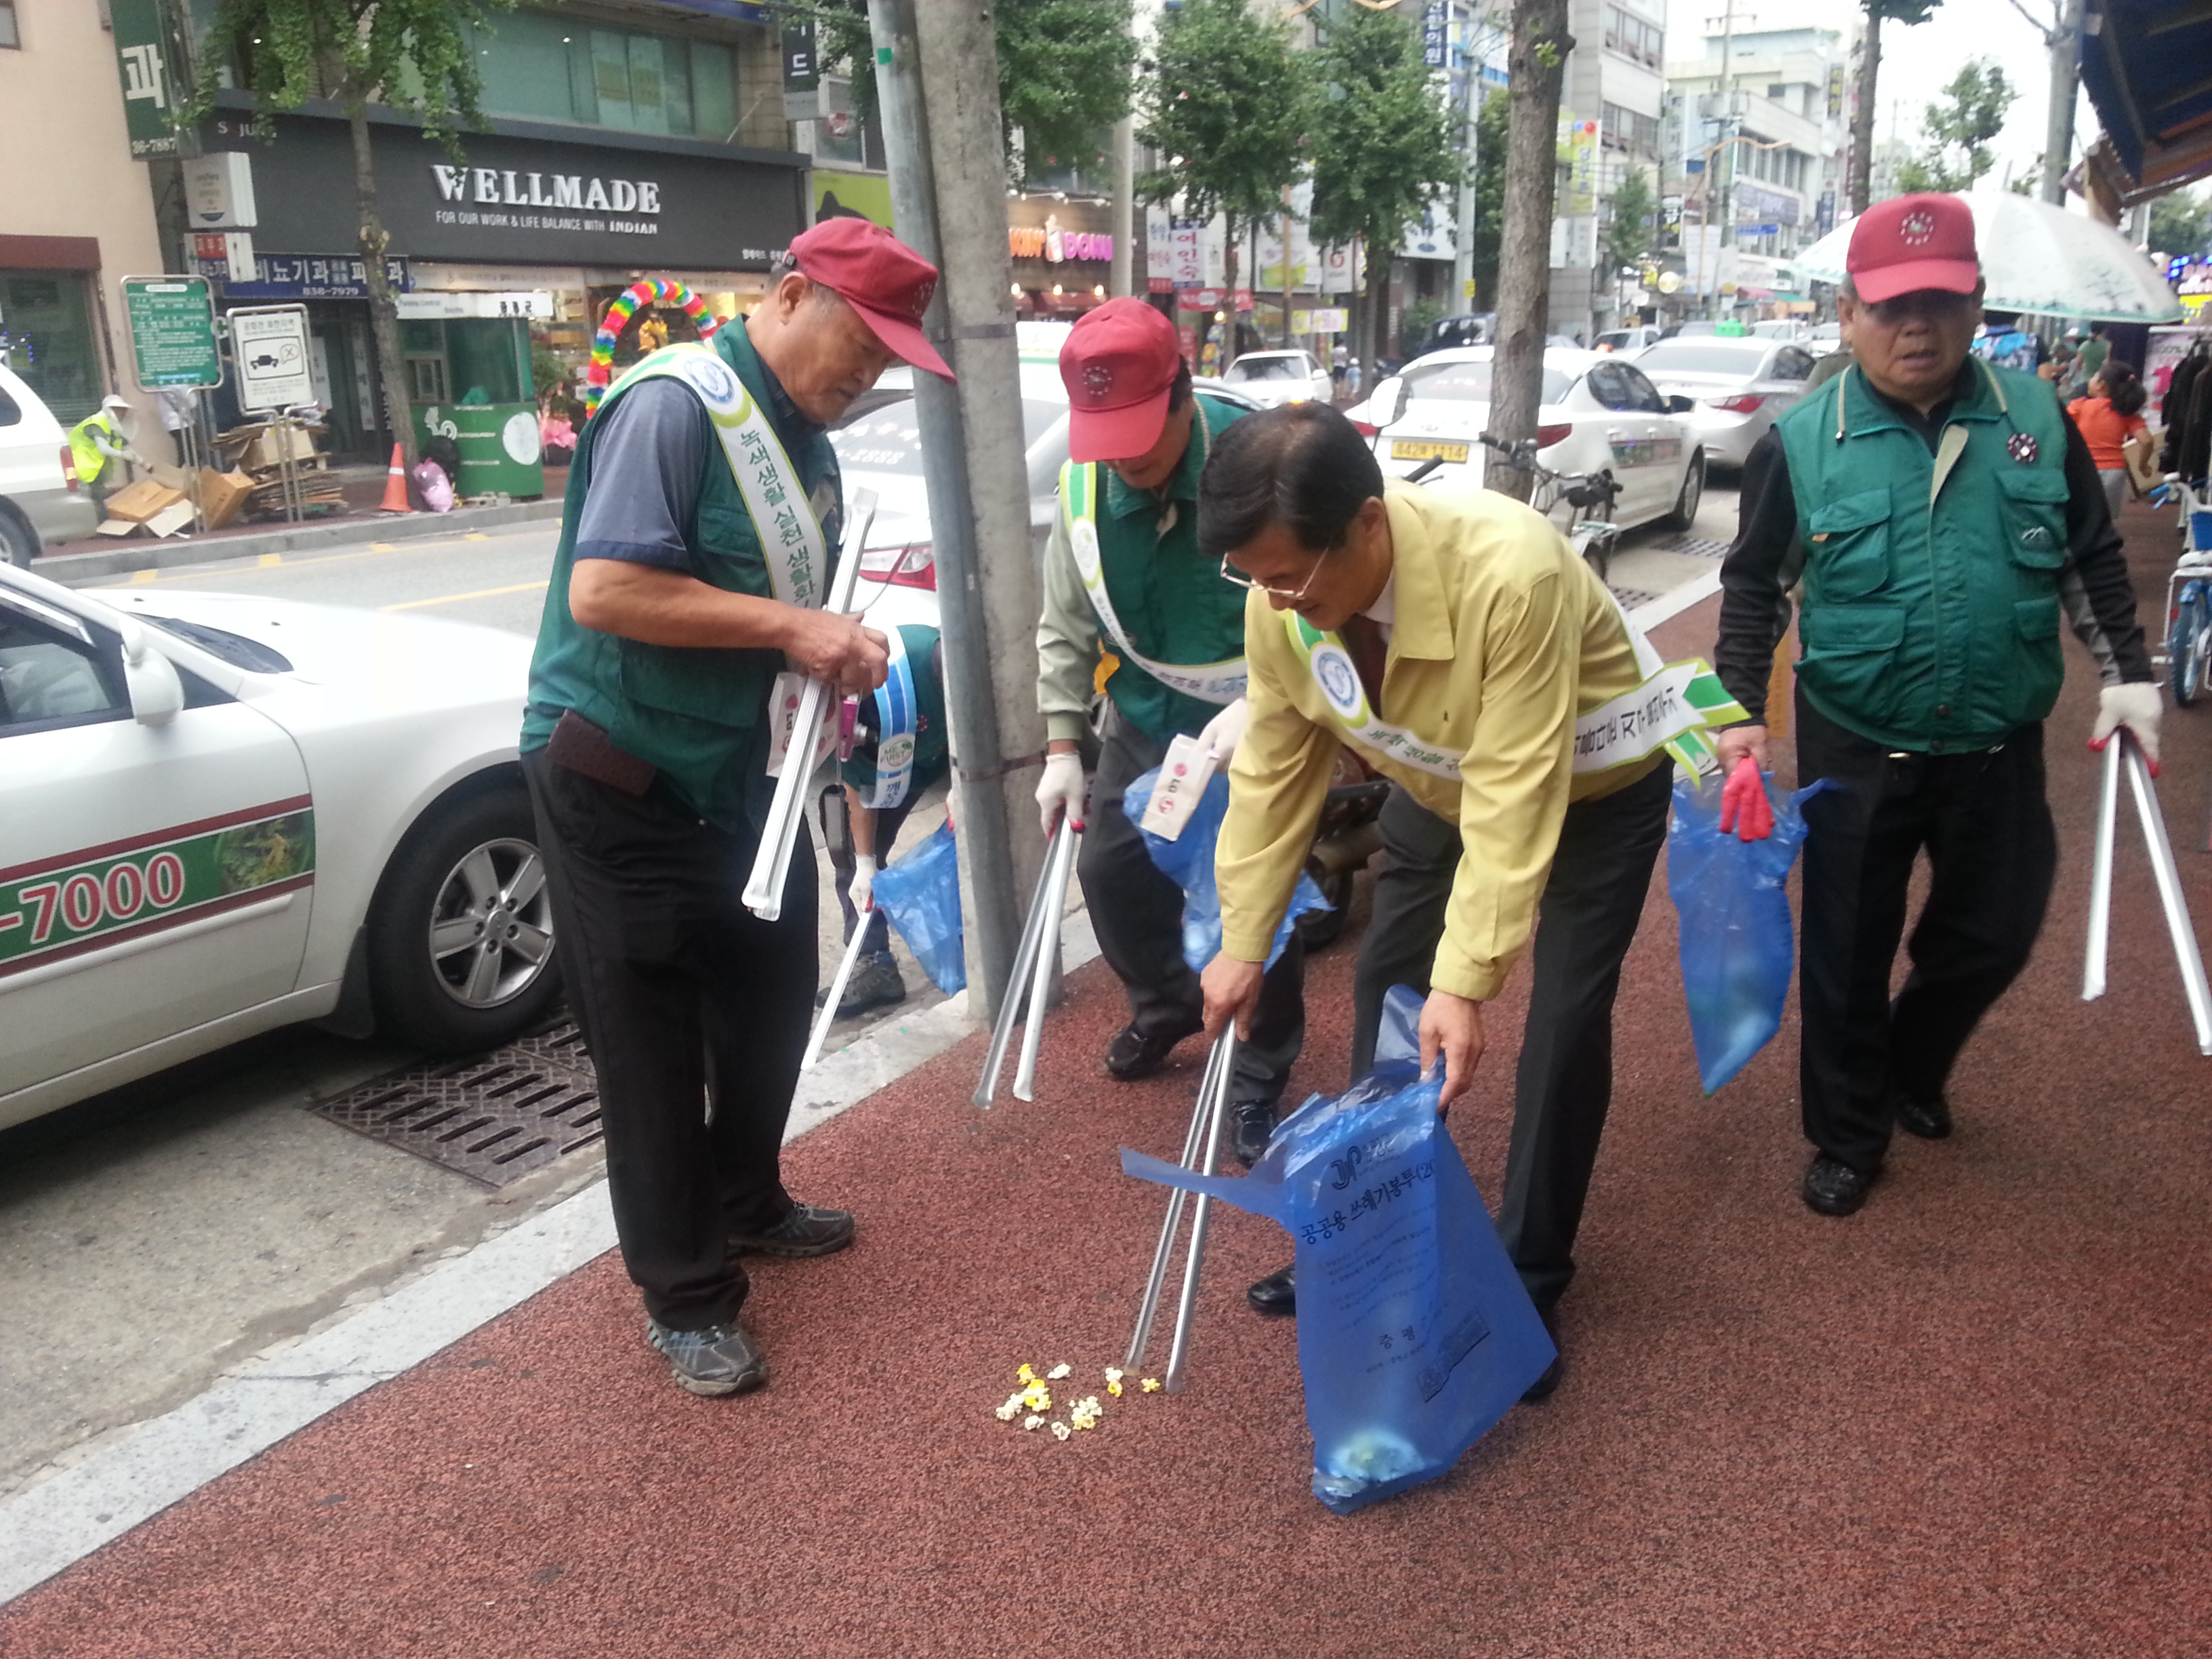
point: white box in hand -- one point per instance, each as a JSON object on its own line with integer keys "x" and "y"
{"x": 1184, "y": 775}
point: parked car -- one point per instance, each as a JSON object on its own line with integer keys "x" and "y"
{"x": 1738, "y": 387}
{"x": 221, "y": 814}
{"x": 1597, "y": 411}
{"x": 1781, "y": 328}
{"x": 1471, "y": 328}
{"x": 1274, "y": 378}
{"x": 1630, "y": 339}
{"x": 40, "y": 499}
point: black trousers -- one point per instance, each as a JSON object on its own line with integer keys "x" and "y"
{"x": 844, "y": 860}
{"x": 1137, "y": 913}
{"x": 1586, "y": 920}
{"x": 695, "y": 1012}
{"x": 1992, "y": 851}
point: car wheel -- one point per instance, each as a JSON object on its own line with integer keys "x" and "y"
{"x": 1694, "y": 491}
{"x": 460, "y": 935}
{"x": 19, "y": 542}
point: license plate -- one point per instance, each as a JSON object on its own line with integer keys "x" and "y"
{"x": 1408, "y": 449}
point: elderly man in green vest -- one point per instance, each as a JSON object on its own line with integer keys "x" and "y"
{"x": 1122, "y": 573}
{"x": 1945, "y": 516}
{"x": 703, "y": 508}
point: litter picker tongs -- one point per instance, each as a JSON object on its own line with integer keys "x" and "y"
{"x": 763, "y": 894}
{"x": 1033, "y": 961}
{"x": 1201, "y": 1151}
{"x": 2122, "y": 753}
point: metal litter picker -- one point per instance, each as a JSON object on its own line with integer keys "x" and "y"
{"x": 2122, "y": 754}
{"x": 1201, "y": 1151}
{"x": 1033, "y": 962}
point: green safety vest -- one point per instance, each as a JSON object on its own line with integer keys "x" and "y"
{"x": 1930, "y": 615}
{"x": 931, "y": 764}
{"x": 84, "y": 452}
{"x": 1167, "y": 596}
{"x": 695, "y": 713}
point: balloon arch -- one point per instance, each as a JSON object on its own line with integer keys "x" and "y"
{"x": 654, "y": 291}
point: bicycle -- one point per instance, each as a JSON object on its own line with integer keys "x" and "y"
{"x": 1589, "y": 495}
{"x": 2188, "y": 593}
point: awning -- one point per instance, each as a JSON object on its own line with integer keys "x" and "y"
{"x": 2147, "y": 69}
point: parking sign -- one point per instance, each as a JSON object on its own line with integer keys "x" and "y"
{"x": 269, "y": 344}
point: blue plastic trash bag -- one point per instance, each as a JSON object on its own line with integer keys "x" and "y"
{"x": 1414, "y": 1333}
{"x": 1737, "y": 945}
{"x": 920, "y": 892}
{"x": 1188, "y": 861}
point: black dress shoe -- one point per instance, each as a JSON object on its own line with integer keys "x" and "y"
{"x": 1833, "y": 1187}
{"x": 808, "y": 1230}
{"x": 1133, "y": 1054}
{"x": 1254, "y": 1123}
{"x": 1278, "y": 1293}
{"x": 1928, "y": 1119}
{"x": 1542, "y": 1387}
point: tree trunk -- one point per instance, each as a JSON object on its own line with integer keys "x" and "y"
{"x": 2058, "y": 125}
{"x": 1536, "y": 67}
{"x": 383, "y": 314}
{"x": 1377, "y": 316}
{"x": 1862, "y": 118}
{"x": 1227, "y": 353}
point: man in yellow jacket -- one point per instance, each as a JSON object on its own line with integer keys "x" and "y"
{"x": 1479, "y": 665}
{"x": 100, "y": 437}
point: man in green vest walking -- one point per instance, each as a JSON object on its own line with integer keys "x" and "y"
{"x": 1122, "y": 573}
{"x": 702, "y": 511}
{"x": 1944, "y": 514}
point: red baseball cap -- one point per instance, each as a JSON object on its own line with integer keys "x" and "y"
{"x": 1912, "y": 242}
{"x": 883, "y": 279}
{"x": 1119, "y": 365}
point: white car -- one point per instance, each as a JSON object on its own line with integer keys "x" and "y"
{"x": 1274, "y": 378}
{"x": 1736, "y": 385}
{"x": 40, "y": 499}
{"x": 221, "y": 814}
{"x": 1597, "y": 412}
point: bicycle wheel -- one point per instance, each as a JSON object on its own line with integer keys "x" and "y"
{"x": 2186, "y": 647}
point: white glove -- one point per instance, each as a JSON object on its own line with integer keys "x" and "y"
{"x": 1061, "y": 790}
{"x": 1225, "y": 731}
{"x": 862, "y": 890}
{"x": 2137, "y": 707}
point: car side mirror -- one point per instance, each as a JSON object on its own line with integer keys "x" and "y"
{"x": 1678, "y": 404}
{"x": 157, "y": 696}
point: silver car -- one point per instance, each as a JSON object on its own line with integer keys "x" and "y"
{"x": 1736, "y": 386}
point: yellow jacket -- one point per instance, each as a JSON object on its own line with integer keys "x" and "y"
{"x": 1502, "y": 637}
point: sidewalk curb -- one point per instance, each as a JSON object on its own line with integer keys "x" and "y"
{"x": 69, "y": 568}
{"x": 50, "y": 1526}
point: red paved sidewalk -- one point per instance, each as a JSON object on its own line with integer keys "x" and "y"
{"x": 1970, "y": 1419}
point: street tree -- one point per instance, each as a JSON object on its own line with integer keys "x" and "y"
{"x": 1628, "y": 238}
{"x": 1226, "y": 108}
{"x": 1896, "y": 11}
{"x": 1491, "y": 138}
{"x": 2181, "y": 222}
{"x": 1381, "y": 149}
{"x": 414, "y": 55}
{"x": 1535, "y": 65}
{"x": 1064, "y": 70}
{"x": 1970, "y": 116}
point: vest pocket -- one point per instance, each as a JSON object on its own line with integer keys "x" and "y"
{"x": 2037, "y": 619}
{"x": 1847, "y": 545}
{"x": 725, "y": 686}
{"x": 1848, "y": 650}
{"x": 2035, "y": 516}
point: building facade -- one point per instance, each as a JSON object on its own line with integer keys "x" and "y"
{"x": 1611, "y": 103}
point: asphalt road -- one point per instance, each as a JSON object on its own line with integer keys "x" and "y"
{"x": 158, "y": 1234}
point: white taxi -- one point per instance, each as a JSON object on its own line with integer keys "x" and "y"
{"x": 221, "y": 814}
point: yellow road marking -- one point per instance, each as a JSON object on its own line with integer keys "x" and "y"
{"x": 140, "y": 578}
{"x": 474, "y": 536}
{"x": 370, "y": 551}
{"x": 455, "y": 598}
{"x": 380, "y": 547}
{"x": 270, "y": 561}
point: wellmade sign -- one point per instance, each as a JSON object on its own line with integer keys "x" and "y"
{"x": 505, "y": 187}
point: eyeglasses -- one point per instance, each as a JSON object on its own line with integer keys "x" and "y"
{"x": 1249, "y": 585}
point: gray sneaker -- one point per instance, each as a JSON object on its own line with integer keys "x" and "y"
{"x": 875, "y": 984}
{"x": 719, "y": 1360}
{"x": 807, "y": 1229}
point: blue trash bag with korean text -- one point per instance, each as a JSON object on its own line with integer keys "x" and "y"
{"x": 1733, "y": 902}
{"x": 920, "y": 893}
{"x": 1414, "y": 1333}
{"x": 1188, "y": 861}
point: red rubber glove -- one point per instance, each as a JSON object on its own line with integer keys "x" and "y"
{"x": 1744, "y": 806}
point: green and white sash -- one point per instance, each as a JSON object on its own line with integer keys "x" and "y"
{"x": 1671, "y": 709}
{"x": 791, "y": 538}
{"x": 1214, "y": 682}
{"x": 897, "y": 717}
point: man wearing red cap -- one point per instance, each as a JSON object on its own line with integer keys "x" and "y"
{"x": 702, "y": 513}
{"x": 1943, "y": 513}
{"x": 1122, "y": 573}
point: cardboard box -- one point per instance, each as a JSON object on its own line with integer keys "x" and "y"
{"x": 223, "y": 497}
{"x": 267, "y": 451}
{"x": 177, "y": 516}
{"x": 142, "y": 500}
{"x": 114, "y": 527}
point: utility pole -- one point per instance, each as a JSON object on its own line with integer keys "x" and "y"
{"x": 938, "y": 86}
{"x": 1463, "y": 257}
{"x": 1859, "y": 183}
{"x": 1120, "y": 280}
{"x": 2064, "y": 43}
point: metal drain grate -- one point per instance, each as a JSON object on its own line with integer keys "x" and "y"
{"x": 493, "y": 1117}
{"x": 1630, "y": 598}
{"x": 1698, "y": 547}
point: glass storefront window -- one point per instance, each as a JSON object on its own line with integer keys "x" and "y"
{"x": 540, "y": 66}
{"x": 46, "y": 337}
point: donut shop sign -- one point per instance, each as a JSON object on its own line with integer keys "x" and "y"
{"x": 500, "y": 188}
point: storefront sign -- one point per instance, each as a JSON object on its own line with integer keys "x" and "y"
{"x": 219, "y": 191}
{"x": 1577, "y": 149}
{"x": 303, "y": 277}
{"x": 448, "y": 307}
{"x": 1054, "y": 245}
{"x": 1436, "y": 34}
{"x": 149, "y": 93}
{"x": 172, "y": 321}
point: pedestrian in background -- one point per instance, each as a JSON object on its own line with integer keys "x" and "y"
{"x": 672, "y": 605}
{"x": 2109, "y": 416}
{"x": 1944, "y": 515}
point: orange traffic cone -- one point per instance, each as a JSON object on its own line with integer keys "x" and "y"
{"x": 395, "y": 486}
